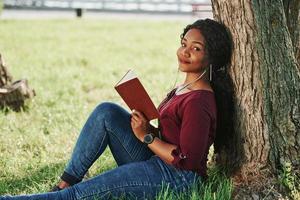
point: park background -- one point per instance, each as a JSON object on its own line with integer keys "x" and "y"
{"x": 73, "y": 64}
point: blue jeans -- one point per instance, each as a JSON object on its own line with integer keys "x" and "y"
{"x": 140, "y": 174}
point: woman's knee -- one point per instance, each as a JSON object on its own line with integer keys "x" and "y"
{"x": 106, "y": 107}
{"x": 110, "y": 111}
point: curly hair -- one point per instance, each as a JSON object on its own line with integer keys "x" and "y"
{"x": 218, "y": 49}
{"x": 218, "y": 42}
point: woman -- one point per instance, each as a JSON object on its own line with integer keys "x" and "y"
{"x": 146, "y": 162}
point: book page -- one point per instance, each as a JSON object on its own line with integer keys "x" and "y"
{"x": 127, "y": 77}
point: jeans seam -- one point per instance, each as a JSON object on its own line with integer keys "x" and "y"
{"x": 93, "y": 160}
{"x": 112, "y": 133}
{"x": 130, "y": 184}
{"x": 162, "y": 169}
{"x": 99, "y": 149}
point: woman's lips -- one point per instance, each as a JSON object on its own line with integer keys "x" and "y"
{"x": 183, "y": 61}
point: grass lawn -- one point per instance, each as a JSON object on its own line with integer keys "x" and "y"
{"x": 73, "y": 66}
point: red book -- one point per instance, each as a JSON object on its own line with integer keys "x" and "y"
{"x": 135, "y": 96}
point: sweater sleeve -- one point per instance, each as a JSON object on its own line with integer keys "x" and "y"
{"x": 194, "y": 135}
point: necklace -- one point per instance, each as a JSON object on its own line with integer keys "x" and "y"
{"x": 180, "y": 88}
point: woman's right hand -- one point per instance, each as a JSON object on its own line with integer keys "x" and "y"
{"x": 139, "y": 124}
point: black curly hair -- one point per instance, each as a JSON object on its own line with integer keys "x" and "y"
{"x": 218, "y": 42}
{"x": 218, "y": 49}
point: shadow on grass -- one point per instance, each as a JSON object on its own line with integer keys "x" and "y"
{"x": 40, "y": 180}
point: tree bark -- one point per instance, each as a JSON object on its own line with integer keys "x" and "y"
{"x": 266, "y": 79}
{"x": 13, "y": 95}
{"x": 292, "y": 14}
{"x": 5, "y": 77}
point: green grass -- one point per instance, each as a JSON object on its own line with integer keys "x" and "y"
{"x": 217, "y": 187}
{"x": 73, "y": 65}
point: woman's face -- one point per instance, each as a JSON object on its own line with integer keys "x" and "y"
{"x": 191, "y": 54}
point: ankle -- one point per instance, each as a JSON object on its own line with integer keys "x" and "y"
{"x": 63, "y": 184}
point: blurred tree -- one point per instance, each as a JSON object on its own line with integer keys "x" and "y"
{"x": 12, "y": 95}
{"x": 5, "y": 77}
{"x": 1, "y": 6}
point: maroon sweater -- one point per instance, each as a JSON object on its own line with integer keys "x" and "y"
{"x": 189, "y": 122}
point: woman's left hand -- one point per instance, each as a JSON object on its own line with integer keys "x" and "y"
{"x": 139, "y": 124}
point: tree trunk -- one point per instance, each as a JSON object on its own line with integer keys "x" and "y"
{"x": 292, "y": 14}
{"x": 266, "y": 79}
{"x": 13, "y": 95}
{"x": 5, "y": 77}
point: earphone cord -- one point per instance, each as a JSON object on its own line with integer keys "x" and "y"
{"x": 175, "y": 79}
{"x": 167, "y": 102}
{"x": 190, "y": 83}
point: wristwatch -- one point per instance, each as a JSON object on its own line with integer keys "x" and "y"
{"x": 148, "y": 138}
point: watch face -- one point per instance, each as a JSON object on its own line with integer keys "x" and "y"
{"x": 148, "y": 139}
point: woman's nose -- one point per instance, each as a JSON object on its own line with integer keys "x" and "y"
{"x": 186, "y": 52}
